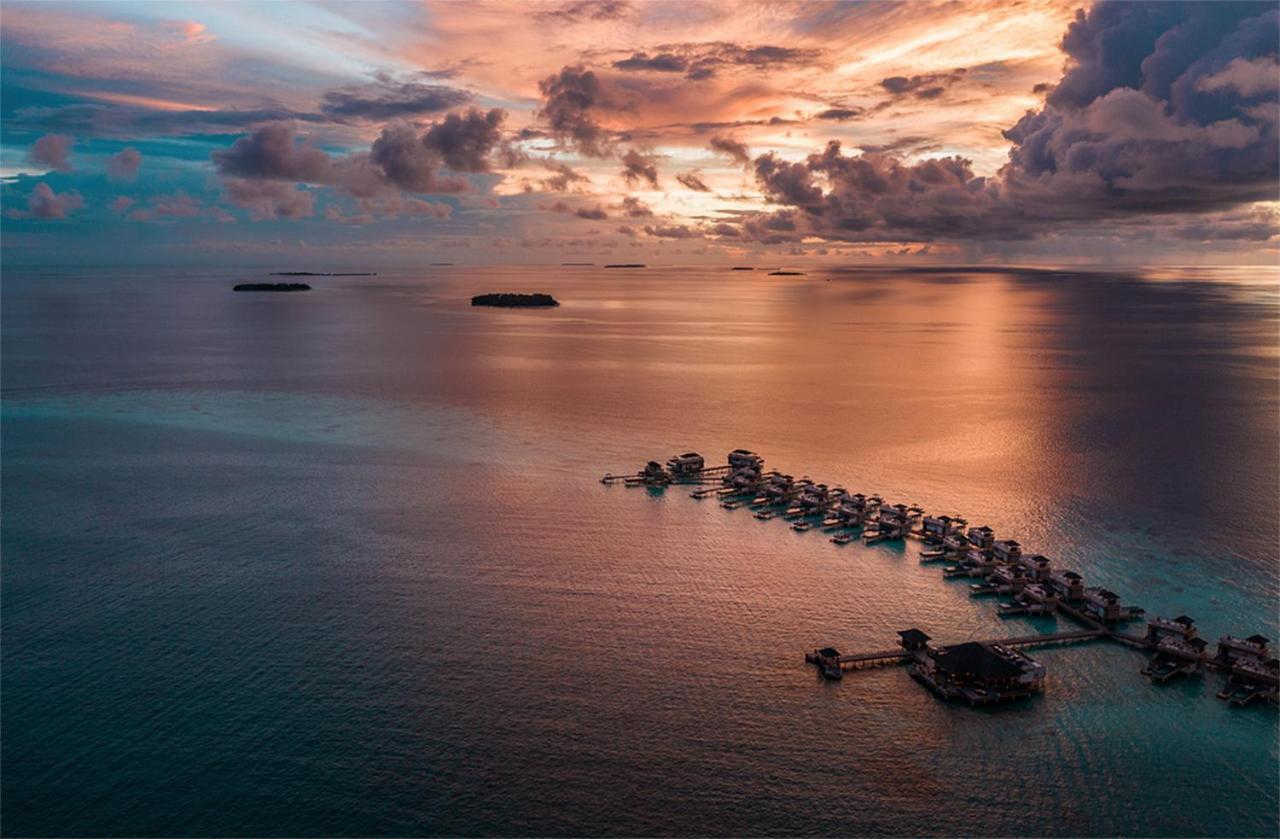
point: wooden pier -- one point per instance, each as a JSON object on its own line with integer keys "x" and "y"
{"x": 888, "y": 658}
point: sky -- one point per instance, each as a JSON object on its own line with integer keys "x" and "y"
{"x": 491, "y": 131}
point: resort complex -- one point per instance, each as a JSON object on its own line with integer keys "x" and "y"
{"x": 978, "y": 672}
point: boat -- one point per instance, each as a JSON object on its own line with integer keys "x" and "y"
{"x": 801, "y": 526}
{"x": 764, "y": 515}
{"x": 842, "y": 538}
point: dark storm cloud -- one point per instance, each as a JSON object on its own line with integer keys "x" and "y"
{"x": 271, "y": 153}
{"x": 1163, "y": 108}
{"x": 388, "y": 98}
{"x": 406, "y": 162}
{"x": 639, "y": 168}
{"x": 736, "y": 150}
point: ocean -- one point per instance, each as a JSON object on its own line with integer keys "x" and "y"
{"x": 340, "y": 563}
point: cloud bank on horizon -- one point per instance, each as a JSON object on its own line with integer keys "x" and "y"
{"x": 708, "y": 129}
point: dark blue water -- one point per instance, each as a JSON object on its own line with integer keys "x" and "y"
{"x": 339, "y": 564}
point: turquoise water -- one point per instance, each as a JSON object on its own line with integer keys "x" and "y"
{"x": 339, "y": 563}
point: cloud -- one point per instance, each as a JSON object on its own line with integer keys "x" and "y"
{"x": 52, "y": 151}
{"x": 464, "y": 141}
{"x": 406, "y": 162}
{"x": 736, "y": 150}
{"x": 1151, "y": 116}
{"x": 568, "y": 98}
{"x": 637, "y": 167}
{"x": 269, "y": 199}
{"x": 927, "y": 86}
{"x": 635, "y": 208}
{"x": 178, "y": 205}
{"x": 129, "y": 122}
{"x": 1246, "y": 77}
{"x": 272, "y": 153}
{"x": 388, "y": 98}
{"x": 693, "y": 181}
{"x": 583, "y": 10}
{"x": 123, "y": 165}
{"x": 671, "y": 231}
{"x": 596, "y": 213}
{"x": 661, "y": 63}
{"x": 44, "y": 203}
{"x": 121, "y": 205}
{"x": 839, "y": 114}
{"x": 565, "y": 176}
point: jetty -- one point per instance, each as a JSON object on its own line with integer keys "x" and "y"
{"x": 986, "y": 671}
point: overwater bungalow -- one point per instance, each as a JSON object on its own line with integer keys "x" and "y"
{"x": 893, "y": 522}
{"x": 981, "y": 542}
{"x": 812, "y": 500}
{"x": 1037, "y": 567}
{"x": 1104, "y": 606}
{"x": 1180, "y": 627}
{"x": 684, "y": 465}
{"x": 1174, "y": 656}
{"x": 1003, "y": 579}
{"x": 936, "y": 529}
{"x": 1068, "y": 585}
{"x": 743, "y": 459}
{"x": 1034, "y": 599}
{"x": 978, "y": 673}
{"x": 1232, "y": 649}
{"x": 1253, "y": 678}
{"x": 776, "y": 488}
{"x": 828, "y": 661}
{"x": 1006, "y": 551}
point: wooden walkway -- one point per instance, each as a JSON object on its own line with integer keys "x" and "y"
{"x": 886, "y": 658}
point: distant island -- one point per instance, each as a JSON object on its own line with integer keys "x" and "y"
{"x": 320, "y": 274}
{"x": 511, "y": 300}
{"x": 441, "y": 263}
{"x": 742, "y": 268}
{"x": 786, "y": 273}
{"x": 272, "y": 287}
{"x": 577, "y": 263}
{"x": 627, "y": 265}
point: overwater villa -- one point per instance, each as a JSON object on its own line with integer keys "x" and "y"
{"x": 935, "y": 529}
{"x": 1175, "y": 656}
{"x": 1180, "y": 627}
{"x": 828, "y": 661}
{"x": 982, "y": 540}
{"x": 893, "y": 522}
{"x": 1037, "y": 567}
{"x": 1006, "y": 551}
{"x": 812, "y": 500}
{"x": 1232, "y": 649}
{"x": 743, "y": 459}
{"x": 1104, "y": 606}
{"x": 1034, "y": 599}
{"x": 1253, "y": 678}
{"x": 978, "y": 673}
{"x": 851, "y": 510}
{"x": 654, "y": 473}
{"x": 1003, "y": 579}
{"x": 1068, "y": 585}
{"x": 685, "y": 465}
{"x": 777, "y": 488}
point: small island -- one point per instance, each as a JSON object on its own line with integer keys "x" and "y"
{"x": 627, "y": 265}
{"x": 786, "y": 273}
{"x": 742, "y": 268}
{"x": 511, "y": 300}
{"x": 321, "y": 274}
{"x": 272, "y": 287}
